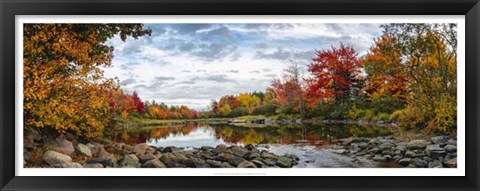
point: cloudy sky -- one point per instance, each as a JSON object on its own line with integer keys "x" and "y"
{"x": 191, "y": 64}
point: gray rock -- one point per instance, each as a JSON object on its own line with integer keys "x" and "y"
{"x": 258, "y": 163}
{"x": 450, "y": 148}
{"x": 386, "y": 152}
{"x": 405, "y": 161}
{"x": 419, "y": 163}
{"x": 140, "y": 149}
{"x": 206, "y": 154}
{"x": 226, "y": 165}
{"x": 214, "y": 163}
{"x": 206, "y": 148}
{"x": 401, "y": 148}
{"x": 129, "y": 161}
{"x": 374, "y": 151}
{"x": 379, "y": 158}
{"x": 241, "y": 152}
{"x": 386, "y": 146}
{"x": 246, "y": 164}
{"x": 284, "y": 162}
{"x": 452, "y": 163}
{"x": 200, "y": 163}
{"x": 83, "y": 150}
{"x": 412, "y": 154}
{"x": 265, "y": 155}
{"x": 435, "y": 164}
{"x": 146, "y": 157}
{"x": 220, "y": 149}
{"x": 105, "y": 158}
{"x": 417, "y": 144}
{"x": 452, "y": 142}
{"x": 94, "y": 165}
{"x": 340, "y": 151}
{"x": 235, "y": 161}
{"x": 269, "y": 161}
{"x": 439, "y": 139}
{"x": 249, "y": 146}
{"x": 435, "y": 151}
{"x": 151, "y": 150}
{"x": 154, "y": 163}
{"x": 224, "y": 157}
{"x": 172, "y": 149}
{"x": 62, "y": 145}
{"x": 53, "y": 157}
{"x": 68, "y": 165}
{"x": 251, "y": 156}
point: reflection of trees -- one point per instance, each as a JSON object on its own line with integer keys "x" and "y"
{"x": 135, "y": 137}
{"x": 293, "y": 133}
{"x": 283, "y": 134}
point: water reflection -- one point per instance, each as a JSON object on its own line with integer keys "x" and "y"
{"x": 196, "y": 135}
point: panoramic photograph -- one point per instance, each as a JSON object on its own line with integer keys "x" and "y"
{"x": 239, "y": 95}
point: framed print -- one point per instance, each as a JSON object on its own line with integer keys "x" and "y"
{"x": 250, "y": 95}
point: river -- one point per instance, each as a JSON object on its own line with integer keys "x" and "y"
{"x": 311, "y": 143}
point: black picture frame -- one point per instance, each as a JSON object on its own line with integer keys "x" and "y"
{"x": 10, "y": 8}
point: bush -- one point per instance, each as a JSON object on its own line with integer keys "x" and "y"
{"x": 369, "y": 114}
{"x": 381, "y": 117}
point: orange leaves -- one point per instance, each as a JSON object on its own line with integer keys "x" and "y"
{"x": 63, "y": 87}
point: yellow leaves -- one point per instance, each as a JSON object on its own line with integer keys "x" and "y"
{"x": 124, "y": 114}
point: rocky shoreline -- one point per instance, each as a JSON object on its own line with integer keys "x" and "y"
{"x": 68, "y": 152}
{"x": 62, "y": 153}
{"x": 438, "y": 152}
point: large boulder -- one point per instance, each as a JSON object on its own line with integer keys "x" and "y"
{"x": 265, "y": 155}
{"x": 105, "y": 158}
{"x": 83, "y": 150}
{"x": 417, "y": 144}
{"x": 154, "y": 163}
{"x": 405, "y": 161}
{"x": 146, "y": 157}
{"x": 240, "y": 152}
{"x": 386, "y": 146}
{"x": 140, "y": 149}
{"x": 284, "y": 162}
{"x": 62, "y": 145}
{"x": 53, "y": 157}
{"x": 220, "y": 149}
{"x": 129, "y": 161}
{"x": 246, "y": 164}
{"x": 434, "y": 151}
{"x": 450, "y": 148}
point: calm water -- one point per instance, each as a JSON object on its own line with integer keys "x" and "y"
{"x": 302, "y": 140}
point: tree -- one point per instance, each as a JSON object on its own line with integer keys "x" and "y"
{"x": 64, "y": 87}
{"x": 335, "y": 75}
{"x": 288, "y": 92}
{"x": 248, "y": 101}
{"x": 428, "y": 53}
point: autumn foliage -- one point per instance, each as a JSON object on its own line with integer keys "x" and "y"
{"x": 64, "y": 87}
{"x": 408, "y": 76}
{"x": 335, "y": 75}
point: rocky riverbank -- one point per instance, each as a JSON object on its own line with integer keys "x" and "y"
{"x": 438, "y": 152}
{"x": 64, "y": 153}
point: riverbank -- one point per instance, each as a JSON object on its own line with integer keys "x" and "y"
{"x": 63, "y": 152}
{"x": 436, "y": 152}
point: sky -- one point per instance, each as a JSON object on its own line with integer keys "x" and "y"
{"x": 192, "y": 64}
